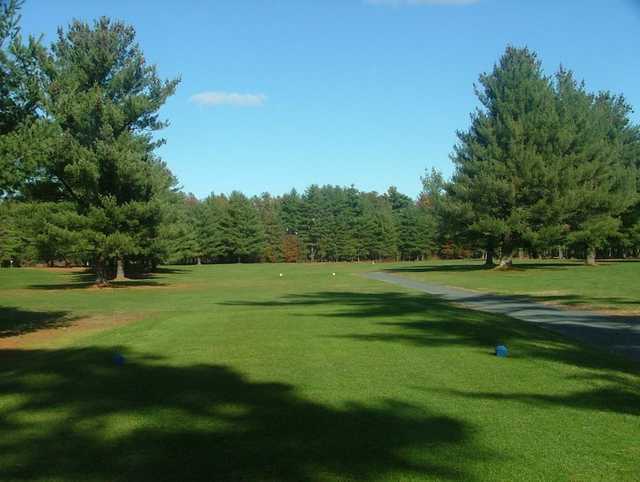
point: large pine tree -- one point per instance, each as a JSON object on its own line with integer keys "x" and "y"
{"x": 504, "y": 162}
{"x": 18, "y": 98}
{"x": 100, "y": 102}
{"x": 598, "y": 181}
{"x": 242, "y": 230}
{"x": 269, "y": 209}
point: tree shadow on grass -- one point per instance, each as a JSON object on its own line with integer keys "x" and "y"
{"x": 430, "y": 322}
{"x": 72, "y": 414}
{"x": 15, "y": 321}
{"x": 570, "y": 300}
{"x": 87, "y": 279}
{"x": 611, "y": 398}
{"x": 551, "y": 306}
{"x": 433, "y": 321}
{"x": 464, "y": 267}
{"x": 159, "y": 271}
{"x": 169, "y": 270}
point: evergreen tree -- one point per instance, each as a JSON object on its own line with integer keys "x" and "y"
{"x": 209, "y": 226}
{"x": 55, "y": 231}
{"x": 504, "y": 162}
{"x": 291, "y": 212}
{"x": 598, "y": 183}
{"x": 377, "y": 232}
{"x": 347, "y": 211}
{"x": 315, "y": 225}
{"x": 269, "y": 209}
{"x": 11, "y": 244}
{"x": 397, "y": 200}
{"x": 630, "y": 240}
{"x": 415, "y": 229}
{"x": 433, "y": 202}
{"x": 243, "y": 232}
{"x": 416, "y": 232}
{"x": 99, "y": 101}
{"x": 18, "y": 97}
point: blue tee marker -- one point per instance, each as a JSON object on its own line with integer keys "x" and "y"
{"x": 502, "y": 351}
{"x": 118, "y": 359}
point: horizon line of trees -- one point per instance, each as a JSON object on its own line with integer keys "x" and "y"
{"x": 546, "y": 168}
{"x": 325, "y": 223}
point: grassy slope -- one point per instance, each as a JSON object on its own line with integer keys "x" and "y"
{"x": 610, "y": 285}
{"x": 234, "y": 373}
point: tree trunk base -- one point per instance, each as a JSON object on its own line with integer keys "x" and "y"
{"x": 488, "y": 259}
{"x": 505, "y": 264}
{"x": 120, "y": 270}
{"x": 504, "y": 267}
{"x": 101, "y": 277}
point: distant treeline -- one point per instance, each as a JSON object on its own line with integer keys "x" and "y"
{"x": 328, "y": 223}
{"x": 546, "y": 168}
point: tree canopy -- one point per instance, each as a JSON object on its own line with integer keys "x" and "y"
{"x": 544, "y": 164}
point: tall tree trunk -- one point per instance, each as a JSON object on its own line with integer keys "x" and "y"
{"x": 101, "y": 275}
{"x": 506, "y": 261}
{"x": 560, "y": 252}
{"x": 120, "y": 269}
{"x": 489, "y": 254}
{"x": 199, "y": 261}
{"x": 590, "y": 260}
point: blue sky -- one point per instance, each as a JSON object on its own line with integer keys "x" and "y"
{"x": 282, "y": 94}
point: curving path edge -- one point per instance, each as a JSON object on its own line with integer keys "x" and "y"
{"x": 618, "y": 334}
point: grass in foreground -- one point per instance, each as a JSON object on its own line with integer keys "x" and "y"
{"x": 234, "y": 373}
{"x": 612, "y": 285}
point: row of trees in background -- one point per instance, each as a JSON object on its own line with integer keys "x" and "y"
{"x": 545, "y": 168}
{"x": 327, "y": 223}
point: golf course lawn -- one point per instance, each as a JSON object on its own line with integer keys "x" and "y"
{"x": 611, "y": 285}
{"x": 233, "y": 372}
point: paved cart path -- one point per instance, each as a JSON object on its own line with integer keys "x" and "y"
{"x": 620, "y": 334}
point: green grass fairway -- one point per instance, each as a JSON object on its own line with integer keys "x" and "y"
{"x": 611, "y": 285}
{"x": 235, "y": 373}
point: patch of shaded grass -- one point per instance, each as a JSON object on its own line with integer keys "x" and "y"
{"x": 15, "y": 321}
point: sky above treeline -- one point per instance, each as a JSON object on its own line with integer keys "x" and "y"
{"x": 283, "y": 94}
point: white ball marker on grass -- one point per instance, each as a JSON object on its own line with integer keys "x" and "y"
{"x": 280, "y": 275}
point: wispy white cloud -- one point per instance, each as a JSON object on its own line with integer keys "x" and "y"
{"x": 413, "y": 3}
{"x": 215, "y": 98}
